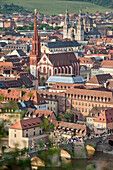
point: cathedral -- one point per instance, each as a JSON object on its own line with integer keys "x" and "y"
{"x": 44, "y": 65}
{"x": 84, "y": 29}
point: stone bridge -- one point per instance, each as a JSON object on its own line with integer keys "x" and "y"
{"x": 72, "y": 150}
{"x": 108, "y": 139}
{"x": 94, "y": 141}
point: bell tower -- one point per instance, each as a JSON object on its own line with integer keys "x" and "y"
{"x": 80, "y": 28}
{"x": 66, "y": 25}
{"x": 35, "y": 54}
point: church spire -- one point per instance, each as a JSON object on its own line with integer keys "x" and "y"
{"x": 36, "y": 49}
{"x": 80, "y": 20}
{"x": 66, "y": 17}
{"x": 35, "y": 54}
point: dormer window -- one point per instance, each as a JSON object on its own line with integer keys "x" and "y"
{"x": 25, "y": 125}
{"x": 38, "y": 122}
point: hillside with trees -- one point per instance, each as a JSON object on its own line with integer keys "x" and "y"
{"x": 104, "y": 3}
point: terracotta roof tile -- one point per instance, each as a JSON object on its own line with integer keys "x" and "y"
{"x": 99, "y": 79}
{"x": 105, "y": 117}
{"x": 27, "y": 123}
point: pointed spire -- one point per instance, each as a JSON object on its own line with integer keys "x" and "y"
{"x": 80, "y": 13}
{"x": 36, "y": 48}
{"x": 80, "y": 20}
{"x": 66, "y": 17}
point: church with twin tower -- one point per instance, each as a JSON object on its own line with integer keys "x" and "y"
{"x": 84, "y": 28}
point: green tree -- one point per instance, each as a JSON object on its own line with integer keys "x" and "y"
{"x": 47, "y": 126}
{"x": 69, "y": 116}
{"x": 28, "y": 70}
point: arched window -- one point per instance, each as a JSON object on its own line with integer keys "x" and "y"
{"x": 44, "y": 70}
{"x": 50, "y": 72}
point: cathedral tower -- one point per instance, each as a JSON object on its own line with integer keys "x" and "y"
{"x": 80, "y": 28}
{"x": 35, "y": 54}
{"x": 66, "y": 25}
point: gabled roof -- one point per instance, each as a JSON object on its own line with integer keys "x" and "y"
{"x": 27, "y": 123}
{"x": 80, "y": 129}
{"x": 62, "y": 58}
{"x": 86, "y": 60}
{"x": 6, "y": 64}
{"x": 99, "y": 79}
{"x": 21, "y": 53}
{"x": 107, "y": 64}
{"x": 62, "y": 44}
{"x": 105, "y": 117}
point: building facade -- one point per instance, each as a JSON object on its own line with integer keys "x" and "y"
{"x": 26, "y": 133}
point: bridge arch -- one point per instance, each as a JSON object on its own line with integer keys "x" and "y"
{"x": 64, "y": 153}
{"x": 110, "y": 142}
{"x": 37, "y": 162}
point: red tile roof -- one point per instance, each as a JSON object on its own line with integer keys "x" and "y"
{"x": 105, "y": 117}
{"x": 107, "y": 64}
{"x": 99, "y": 79}
{"x": 23, "y": 94}
{"x": 86, "y": 60}
{"x": 27, "y": 123}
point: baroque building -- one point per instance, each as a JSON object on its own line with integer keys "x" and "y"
{"x": 43, "y": 65}
{"x": 84, "y": 29}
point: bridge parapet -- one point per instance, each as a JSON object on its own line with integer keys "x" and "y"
{"x": 94, "y": 141}
{"x": 76, "y": 150}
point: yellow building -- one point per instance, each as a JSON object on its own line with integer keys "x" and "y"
{"x": 26, "y": 133}
{"x": 9, "y": 114}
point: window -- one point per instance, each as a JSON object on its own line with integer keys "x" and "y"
{"x": 82, "y": 104}
{"x": 85, "y": 104}
{"x": 76, "y": 103}
{"x": 26, "y": 134}
{"x": 67, "y": 102}
{"x": 89, "y": 104}
{"x": 86, "y": 110}
{"x": 15, "y": 135}
{"x": 79, "y": 103}
{"x": 34, "y": 133}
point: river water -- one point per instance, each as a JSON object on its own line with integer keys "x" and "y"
{"x": 99, "y": 161}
